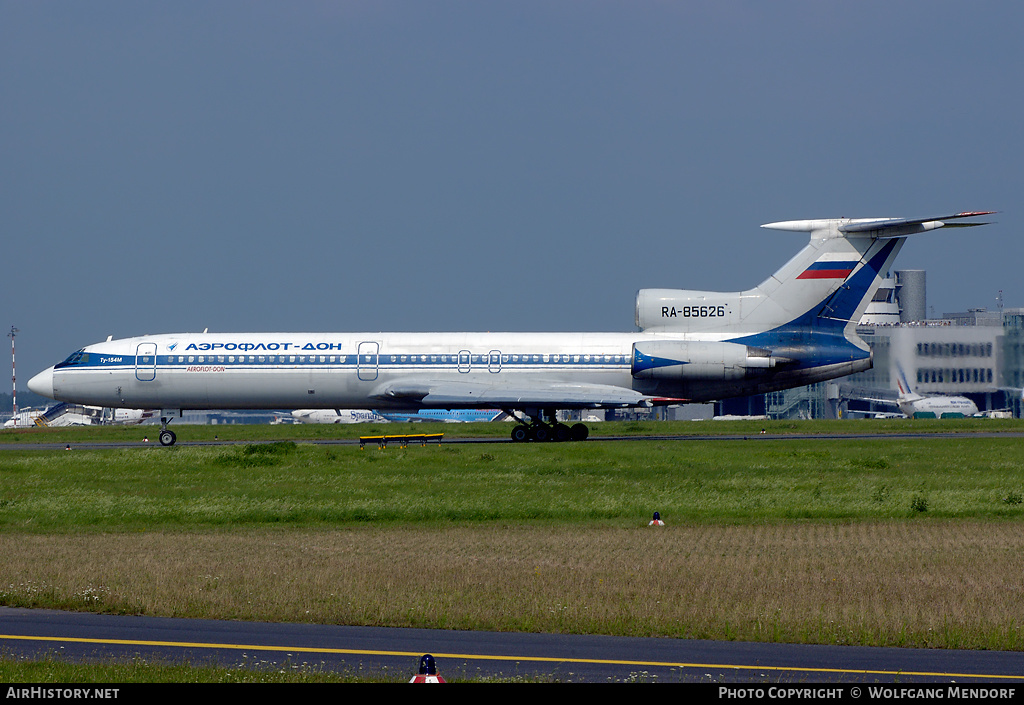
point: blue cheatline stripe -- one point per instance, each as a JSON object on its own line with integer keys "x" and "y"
{"x": 95, "y": 361}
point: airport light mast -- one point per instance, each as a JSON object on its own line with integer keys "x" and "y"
{"x": 14, "y": 376}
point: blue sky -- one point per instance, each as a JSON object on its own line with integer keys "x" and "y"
{"x": 436, "y": 165}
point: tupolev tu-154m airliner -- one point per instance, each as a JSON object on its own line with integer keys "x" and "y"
{"x": 795, "y": 328}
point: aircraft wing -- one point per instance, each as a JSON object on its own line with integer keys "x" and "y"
{"x": 448, "y": 394}
{"x": 898, "y": 227}
{"x": 879, "y": 396}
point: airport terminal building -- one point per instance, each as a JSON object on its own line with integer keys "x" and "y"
{"x": 977, "y": 354}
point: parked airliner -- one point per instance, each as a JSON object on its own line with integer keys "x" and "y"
{"x": 65, "y": 414}
{"x": 909, "y": 402}
{"x": 341, "y": 416}
{"x": 447, "y": 415}
{"x": 795, "y": 328}
{"x": 913, "y": 404}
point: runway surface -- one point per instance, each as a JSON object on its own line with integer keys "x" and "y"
{"x": 395, "y": 653}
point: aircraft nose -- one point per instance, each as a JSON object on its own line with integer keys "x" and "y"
{"x": 42, "y": 383}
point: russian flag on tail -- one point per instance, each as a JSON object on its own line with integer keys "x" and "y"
{"x": 827, "y": 269}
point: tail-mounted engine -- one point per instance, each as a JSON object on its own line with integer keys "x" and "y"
{"x": 695, "y": 360}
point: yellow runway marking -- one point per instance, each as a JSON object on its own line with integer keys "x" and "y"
{"x": 486, "y": 657}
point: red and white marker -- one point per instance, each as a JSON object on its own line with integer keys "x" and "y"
{"x": 428, "y": 671}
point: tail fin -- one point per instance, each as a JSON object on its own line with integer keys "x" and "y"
{"x": 903, "y": 385}
{"x": 825, "y": 287}
{"x": 833, "y": 277}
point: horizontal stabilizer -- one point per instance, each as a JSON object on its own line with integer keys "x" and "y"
{"x": 894, "y": 227}
{"x": 878, "y": 227}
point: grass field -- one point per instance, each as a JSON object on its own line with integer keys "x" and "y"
{"x": 894, "y": 541}
{"x": 327, "y": 432}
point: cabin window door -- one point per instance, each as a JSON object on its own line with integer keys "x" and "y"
{"x": 366, "y": 361}
{"x": 145, "y": 362}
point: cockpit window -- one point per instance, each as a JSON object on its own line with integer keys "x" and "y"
{"x": 80, "y": 357}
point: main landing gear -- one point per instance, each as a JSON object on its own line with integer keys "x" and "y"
{"x": 542, "y": 426}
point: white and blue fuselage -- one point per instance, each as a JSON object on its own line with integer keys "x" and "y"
{"x": 795, "y": 328}
{"x": 318, "y": 370}
{"x": 325, "y": 370}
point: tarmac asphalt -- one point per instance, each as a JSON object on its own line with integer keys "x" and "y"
{"x": 29, "y": 633}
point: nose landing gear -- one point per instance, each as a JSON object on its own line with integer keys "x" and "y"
{"x": 167, "y": 436}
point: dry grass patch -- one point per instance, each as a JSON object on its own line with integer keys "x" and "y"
{"x": 929, "y": 583}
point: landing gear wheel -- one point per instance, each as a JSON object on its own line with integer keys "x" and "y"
{"x": 579, "y": 432}
{"x": 541, "y": 426}
{"x": 167, "y": 438}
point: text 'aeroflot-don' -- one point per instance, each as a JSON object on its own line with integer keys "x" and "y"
{"x": 795, "y": 328}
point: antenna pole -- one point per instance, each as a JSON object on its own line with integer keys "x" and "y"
{"x": 14, "y": 376}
